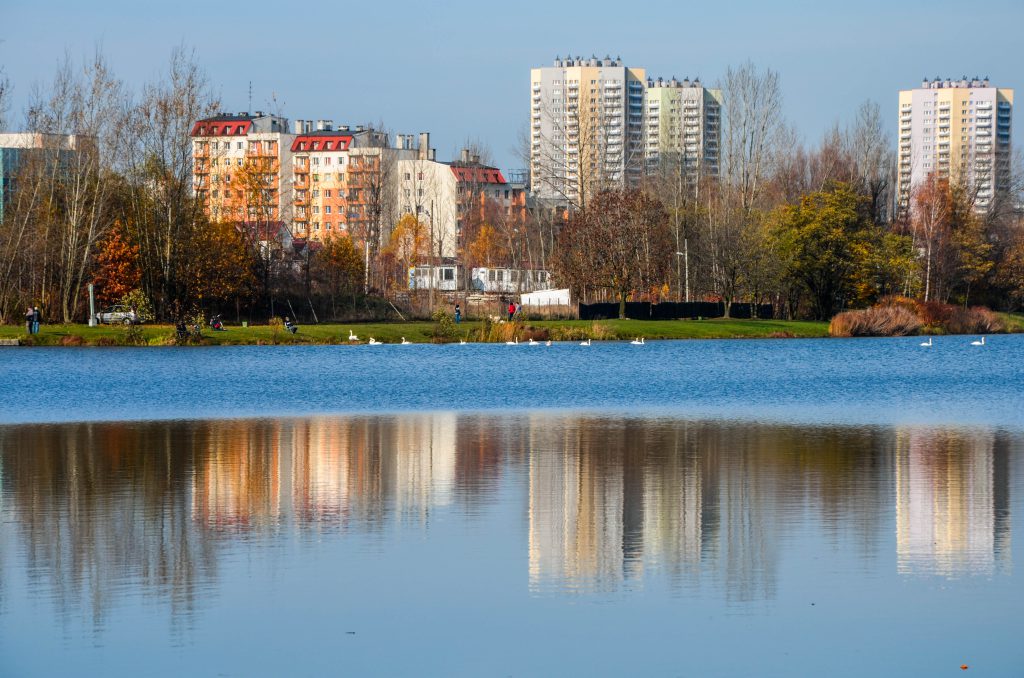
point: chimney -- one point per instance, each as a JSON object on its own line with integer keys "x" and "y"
{"x": 424, "y": 147}
{"x": 329, "y": 125}
{"x": 464, "y": 157}
{"x": 430, "y": 155}
{"x": 307, "y": 126}
{"x": 319, "y": 125}
{"x": 360, "y": 128}
{"x": 297, "y": 126}
{"x": 476, "y": 159}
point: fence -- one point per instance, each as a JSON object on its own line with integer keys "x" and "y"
{"x": 668, "y": 310}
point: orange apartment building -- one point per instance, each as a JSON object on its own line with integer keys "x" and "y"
{"x": 338, "y": 183}
{"x": 238, "y": 161}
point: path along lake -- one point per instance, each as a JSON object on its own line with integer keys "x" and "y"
{"x": 778, "y": 508}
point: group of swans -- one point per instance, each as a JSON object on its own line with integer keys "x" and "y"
{"x": 976, "y": 342}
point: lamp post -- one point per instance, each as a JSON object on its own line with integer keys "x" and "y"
{"x": 685, "y": 254}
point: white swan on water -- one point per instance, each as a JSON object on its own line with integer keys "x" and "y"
{"x": 927, "y": 343}
{"x": 374, "y": 342}
{"x": 352, "y": 337}
{"x": 404, "y": 342}
{"x": 512, "y": 343}
{"x": 462, "y": 342}
{"x": 547, "y": 343}
{"x": 534, "y": 343}
{"x": 585, "y": 343}
{"x": 978, "y": 343}
{"x": 639, "y": 341}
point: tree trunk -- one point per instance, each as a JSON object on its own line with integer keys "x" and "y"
{"x": 622, "y": 304}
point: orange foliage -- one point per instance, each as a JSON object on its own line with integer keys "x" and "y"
{"x": 117, "y": 267}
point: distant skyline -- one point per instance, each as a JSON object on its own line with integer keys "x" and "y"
{"x": 462, "y": 71}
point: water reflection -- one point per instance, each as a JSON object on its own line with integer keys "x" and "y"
{"x": 96, "y": 510}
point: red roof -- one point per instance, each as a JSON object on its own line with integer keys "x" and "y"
{"x": 478, "y": 174}
{"x": 321, "y": 142}
{"x": 220, "y": 128}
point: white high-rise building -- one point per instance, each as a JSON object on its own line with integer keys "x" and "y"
{"x": 586, "y": 127}
{"x": 682, "y": 127}
{"x": 956, "y": 130}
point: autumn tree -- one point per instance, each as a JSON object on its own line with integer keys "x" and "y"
{"x": 833, "y": 245}
{"x": 621, "y": 244}
{"x": 409, "y": 243}
{"x": 117, "y": 266}
{"x": 338, "y": 270}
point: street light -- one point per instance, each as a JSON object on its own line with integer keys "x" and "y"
{"x": 685, "y": 254}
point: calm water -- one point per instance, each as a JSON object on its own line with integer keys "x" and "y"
{"x": 684, "y": 508}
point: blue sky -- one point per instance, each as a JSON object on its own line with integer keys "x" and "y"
{"x": 460, "y": 69}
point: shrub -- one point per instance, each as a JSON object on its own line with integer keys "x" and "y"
{"x": 877, "y": 321}
{"x": 974, "y": 320}
{"x": 934, "y": 313}
{"x": 444, "y": 326}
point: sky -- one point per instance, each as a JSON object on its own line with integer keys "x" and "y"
{"x": 460, "y": 69}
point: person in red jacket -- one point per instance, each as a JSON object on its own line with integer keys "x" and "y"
{"x": 511, "y": 310}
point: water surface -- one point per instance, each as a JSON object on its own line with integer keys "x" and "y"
{"x": 509, "y": 544}
{"x": 881, "y": 381}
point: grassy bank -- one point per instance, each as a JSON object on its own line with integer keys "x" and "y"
{"x": 423, "y": 332}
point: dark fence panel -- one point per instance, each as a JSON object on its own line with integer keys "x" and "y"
{"x": 671, "y": 310}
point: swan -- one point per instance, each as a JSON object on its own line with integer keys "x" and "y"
{"x": 547, "y": 343}
{"x": 374, "y": 342}
{"x": 404, "y": 342}
{"x": 585, "y": 343}
{"x": 462, "y": 342}
{"x": 513, "y": 343}
{"x": 352, "y": 337}
{"x": 978, "y": 343}
{"x": 639, "y": 341}
{"x": 534, "y": 343}
{"x": 927, "y": 343}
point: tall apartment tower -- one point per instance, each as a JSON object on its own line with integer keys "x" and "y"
{"x": 682, "y": 127}
{"x": 586, "y": 127}
{"x": 957, "y": 130}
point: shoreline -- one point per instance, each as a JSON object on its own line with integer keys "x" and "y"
{"x": 429, "y": 332}
{"x": 421, "y": 332}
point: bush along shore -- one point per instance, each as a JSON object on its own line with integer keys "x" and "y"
{"x": 442, "y": 329}
{"x": 900, "y": 316}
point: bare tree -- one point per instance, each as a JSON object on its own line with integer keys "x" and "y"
{"x": 753, "y": 122}
{"x": 80, "y": 121}
{"x": 158, "y": 165}
{"x": 869, "y": 145}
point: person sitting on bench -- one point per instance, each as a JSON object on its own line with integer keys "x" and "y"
{"x": 290, "y": 326}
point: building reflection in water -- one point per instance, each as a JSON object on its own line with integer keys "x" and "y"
{"x": 952, "y": 502}
{"x": 609, "y": 501}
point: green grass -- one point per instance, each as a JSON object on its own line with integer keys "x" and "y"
{"x": 1014, "y": 321}
{"x": 422, "y": 332}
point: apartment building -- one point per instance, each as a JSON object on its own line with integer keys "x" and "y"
{"x": 958, "y": 130}
{"x": 450, "y": 197}
{"x": 339, "y": 180}
{"x": 586, "y": 127}
{"x": 18, "y": 149}
{"x": 682, "y": 127}
{"x": 241, "y": 164}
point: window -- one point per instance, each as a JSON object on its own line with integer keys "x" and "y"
{"x": 408, "y": 176}
{"x": 316, "y": 160}
{"x": 490, "y": 276}
{"x": 316, "y": 209}
{"x": 316, "y": 192}
{"x": 238, "y": 145}
{"x": 327, "y": 193}
{"x": 341, "y": 160}
{"x": 327, "y": 226}
{"x": 447, "y": 274}
{"x": 327, "y": 209}
{"x": 501, "y": 276}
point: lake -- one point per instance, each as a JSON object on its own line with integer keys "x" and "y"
{"x": 728, "y": 508}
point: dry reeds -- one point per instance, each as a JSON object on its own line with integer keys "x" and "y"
{"x": 974, "y": 320}
{"x": 877, "y": 321}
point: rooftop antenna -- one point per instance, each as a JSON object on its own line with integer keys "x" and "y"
{"x": 250, "y": 95}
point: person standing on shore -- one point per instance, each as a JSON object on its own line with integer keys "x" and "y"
{"x": 458, "y": 314}
{"x": 36, "y": 317}
{"x": 28, "y": 320}
{"x": 511, "y": 310}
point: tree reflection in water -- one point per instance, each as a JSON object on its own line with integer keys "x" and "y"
{"x": 102, "y": 508}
